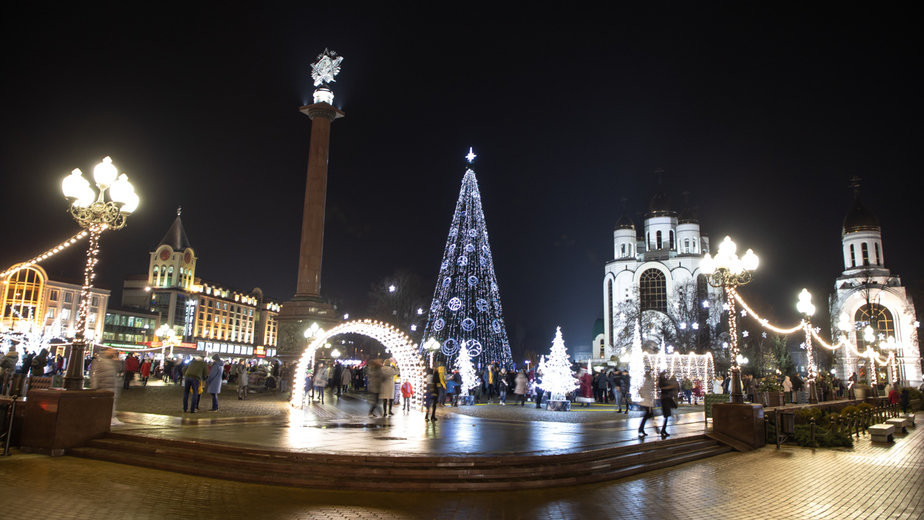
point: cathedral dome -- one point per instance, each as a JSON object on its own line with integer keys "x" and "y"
{"x": 660, "y": 205}
{"x": 625, "y": 222}
{"x": 860, "y": 219}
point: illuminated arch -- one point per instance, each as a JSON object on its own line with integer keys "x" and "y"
{"x": 22, "y": 296}
{"x": 397, "y": 343}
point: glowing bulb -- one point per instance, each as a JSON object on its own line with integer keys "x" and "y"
{"x": 805, "y": 303}
{"x": 105, "y": 173}
{"x": 750, "y": 260}
{"x": 707, "y": 266}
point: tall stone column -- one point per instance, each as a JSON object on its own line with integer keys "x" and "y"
{"x": 312, "y": 242}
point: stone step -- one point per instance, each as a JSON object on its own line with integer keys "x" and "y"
{"x": 392, "y": 466}
{"x": 379, "y": 473}
{"x": 389, "y": 484}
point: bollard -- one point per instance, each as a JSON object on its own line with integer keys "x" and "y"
{"x": 812, "y": 424}
{"x": 776, "y": 418}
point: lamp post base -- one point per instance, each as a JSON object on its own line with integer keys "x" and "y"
{"x": 73, "y": 377}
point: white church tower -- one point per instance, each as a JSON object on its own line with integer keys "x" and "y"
{"x": 871, "y": 303}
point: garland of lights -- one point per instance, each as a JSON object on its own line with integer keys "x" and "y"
{"x": 812, "y": 333}
{"x": 466, "y": 370}
{"x": 401, "y": 347}
{"x": 47, "y": 254}
{"x": 691, "y": 366}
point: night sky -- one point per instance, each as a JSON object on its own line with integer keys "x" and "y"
{"x": 761, "y": 113}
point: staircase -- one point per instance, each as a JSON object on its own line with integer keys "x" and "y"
{"x": 391, "y": 473}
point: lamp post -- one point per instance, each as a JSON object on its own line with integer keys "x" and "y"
{"x": 805, "y": 306}
{"x": 728, "y": 271}
{"x": 94, "y": 213}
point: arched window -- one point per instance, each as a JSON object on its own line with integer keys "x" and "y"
{"x": 694, "y": 245}
{"x": 652, "y": 290}
{"x": 686, "y": 245}
{"x": 658, "y": 241}
{"x": 155, "y": 276}
{"x": 169, "y": 281}
{"x": 671, "y": 234}
{"x": 622, "y": 251}
{"x": 648, "y": 241}
{"x": 853, "y": 256}
{"x": 877, "y": 317}
{"x": 864, "y": 252}
{"x": 878, "y": 258}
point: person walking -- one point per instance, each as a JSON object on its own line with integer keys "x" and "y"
{"x": 646, "y": 401}
{"x": 669, "y": 388}
{"x": 243, "y": 380}
{"x": 626, "y": 393}
{"x": 145, "y": 371}
{"x": 617, "y": 390}
{"x": 502, "y": 387}
{"x": 319, "y": 381}
{"x": 345, "y": 377}
{"x": 431, "y": 379}
{"x": 131, "y": 366}
{"x": 196, "y": 372}
{"x": 522, "y": 385}
{"x": 7, "y": 367}
{"x": 586, "y": 390}
{"x": 104, "y": 376}
{"x": 687, "y": 387}
{"x": 787, "y": 388}
{"x": 387, "y": 386}
{"x": 38, "y": 364}
{"x": 213, "y": 380}
{"x": 407, "y": 391}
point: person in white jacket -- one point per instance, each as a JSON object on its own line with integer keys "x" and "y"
{"x": 646, "y": 400}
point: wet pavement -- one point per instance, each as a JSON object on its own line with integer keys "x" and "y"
{"x": 343, "y": 425}
{"x": 869, "y": 481}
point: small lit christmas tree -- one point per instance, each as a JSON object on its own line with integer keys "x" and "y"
{"x": 636, "y": 363}
{"x": 556, "y": 376}
{"x": 466, "y": 369}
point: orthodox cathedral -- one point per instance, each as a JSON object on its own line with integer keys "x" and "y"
{"x": 870, "y": 305}
{"x": 654, "y": 277}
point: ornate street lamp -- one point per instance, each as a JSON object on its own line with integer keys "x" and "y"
{"x": 94, "y": 213}
{"x": 728, "y": 271}
{"x": 805, "y": 306}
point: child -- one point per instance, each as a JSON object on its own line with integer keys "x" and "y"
{"x": 406, "y": 392}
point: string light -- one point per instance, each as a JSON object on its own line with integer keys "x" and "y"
{"x": 396, "y": 343}
{"x": 46, "y": 255}
{"x": 764, "y": 322}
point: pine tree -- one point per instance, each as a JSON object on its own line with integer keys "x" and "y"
{"x": 466, "y": 369}
{"x": 466, "y": 306}
{"x": 636, "y": 363}
{"x": 557, "y": 377}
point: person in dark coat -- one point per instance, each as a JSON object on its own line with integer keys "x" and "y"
{"x": 38, "y": 363}
{"x": 669, "y": 388}
{"x": 904, "y": 399}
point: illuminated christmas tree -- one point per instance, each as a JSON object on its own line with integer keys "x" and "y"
{"x": 557, "y": 378}
{"x": 636, "y": 363}
{"x": 466, "y": 370}
{"x": 466, "y": 306}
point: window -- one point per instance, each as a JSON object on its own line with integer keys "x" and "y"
{"x": 658, "y": 240}
{"x": 853, "y": 256}
{"x": 622, "y": 251}
{"x": 686, "y": 245}
{"x": 879, "y": 318}
{"x": 53, "y": 296}
{"x": 65, "y": 314}
{"x": 671, "y": 234}
{"x": 169, "y": 282}
{"x": 50, "y": 315}
{"x": 694, "y": 246}
{"x": 864, "y": 252}
{"x": 878, "y": 260}
{"x": 94, "y": 302}
{"x": 68, "y": 297}
{"x": 652, "y": 288}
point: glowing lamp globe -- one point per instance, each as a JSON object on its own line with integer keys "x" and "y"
{"x": 707, "y": 266}
{"x": 121, "y": 190}
{"x": 750, "y": 261}
{"x": 131, "y": 204}
{"x": 805, "y": 305}
{"x": 105, "y": 173}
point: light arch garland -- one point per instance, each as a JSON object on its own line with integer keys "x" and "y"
{"x": 47, "y": 254}
{"x": 810, "y": 334}
{"x": 396, "y": 343}
{"x": 692, "y": 366}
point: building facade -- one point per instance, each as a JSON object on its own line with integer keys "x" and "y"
{"x": 30, "y": 301}
{"x": 654, "y": 277}
{"x": 871, "y": 306}
{"x": 205, "y": 316}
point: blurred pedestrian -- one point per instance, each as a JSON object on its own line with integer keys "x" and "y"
{"x": 646, "y": 400}
{"x": 243, "y": 379}
{"x": 145, "y": 371}
{"x": 669, "y": 388}
{"x": 319, "y": 380}
{"x": 431, "y": 379}
{"x": 213, "y": 380}
{"x": 407, "y": 391}
{"x": 104, "y": 376}
{"x": 522, "y": 385}
{"x": 194, "y": 374}
{"x": 129, "y": 368}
